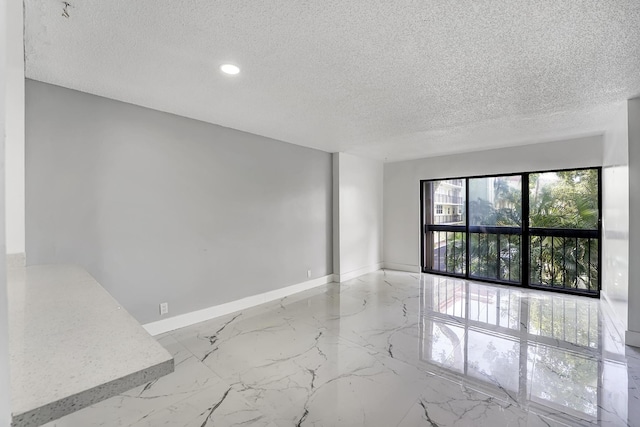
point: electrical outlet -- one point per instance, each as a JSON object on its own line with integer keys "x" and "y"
{"x": 164, "y": 308}
{"x": 308, "y": 274}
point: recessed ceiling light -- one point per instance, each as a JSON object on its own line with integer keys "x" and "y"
{"x": 229, "y": 69}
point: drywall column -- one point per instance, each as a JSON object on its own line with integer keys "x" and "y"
{"x": 615, "y": 217}
{"x": 633, "y": 328}
{"x": 14, "y": 143}
{"x": 5, "y": 408}
{"x": 357, "y": 216}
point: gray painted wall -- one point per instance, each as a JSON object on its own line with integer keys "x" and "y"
{"x": 402, "y": 184}
{"x": 161, "y": 208}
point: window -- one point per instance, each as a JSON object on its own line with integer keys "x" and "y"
{"x": 495, "y": 216}
{"x": 532, "y": 229}
{"x": 445, "y": 242}
{"x": 564, "y": 229}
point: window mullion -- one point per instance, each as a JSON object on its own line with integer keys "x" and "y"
{"x": 525, "y": 240}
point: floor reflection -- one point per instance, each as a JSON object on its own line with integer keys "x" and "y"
{"x": 547, "y": 351}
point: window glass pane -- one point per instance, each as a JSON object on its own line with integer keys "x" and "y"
{"x": 448, "y": 197}
{"x": 567, "y": 199}
{"x": 495, "y": 201}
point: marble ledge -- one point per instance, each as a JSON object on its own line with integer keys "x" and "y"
{"x": 72, "y": 345}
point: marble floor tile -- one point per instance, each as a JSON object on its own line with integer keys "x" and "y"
{"x": 465, "y": 407}
{"x": 393, "y": 349}
{"x": 331, "y": 382}
{"x": 214, "y": 406}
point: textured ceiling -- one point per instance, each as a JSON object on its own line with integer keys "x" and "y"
{"x": 385, "y": 79}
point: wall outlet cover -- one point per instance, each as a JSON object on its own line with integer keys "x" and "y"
{"x": 164, "y": 308}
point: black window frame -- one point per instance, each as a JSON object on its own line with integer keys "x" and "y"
{"x": 525, "y": 235}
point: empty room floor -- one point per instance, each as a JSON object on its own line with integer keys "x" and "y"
{"x": 392, "y": 349}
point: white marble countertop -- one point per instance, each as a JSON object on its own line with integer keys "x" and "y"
{"x": 72, "y": 344}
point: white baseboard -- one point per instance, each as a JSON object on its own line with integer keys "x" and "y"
{"x": 402, "y": 267}
{"x": 632, "y": 338}
{"x": 187, "y": 319}
{"x": 16, "y": 260}
{"x": 339, "y": 278}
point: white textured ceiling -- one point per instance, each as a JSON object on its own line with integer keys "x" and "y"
{"x": 385, "y": 79}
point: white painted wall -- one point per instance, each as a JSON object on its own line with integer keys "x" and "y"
{"x": 14, "y": 144}
{"x": 357, "y": 186}
{"x": 161, "y": 208}
{"x": 5, "y": 402}
{"x": 402, "y": 184}
{"x": 615, "y": 217}
{"x": 633, "y": 331}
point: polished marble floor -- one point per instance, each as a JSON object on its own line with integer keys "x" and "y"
{"x": 392, "y": 349}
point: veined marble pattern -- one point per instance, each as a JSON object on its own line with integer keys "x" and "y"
{"x": 392, "y": 349}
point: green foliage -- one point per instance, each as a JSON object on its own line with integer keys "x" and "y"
{"x": 564, "y": 262}
{"x": 456, "y": 252}
{"x": 569, "y": 202}
{"x": 495, "y": 257}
